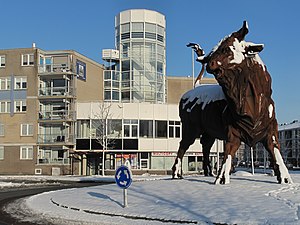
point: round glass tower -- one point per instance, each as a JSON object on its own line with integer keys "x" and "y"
{"x": 141, "y": 40}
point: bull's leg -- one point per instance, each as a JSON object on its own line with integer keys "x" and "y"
{"x": 177, "y": 167}
{"x": 280, "y": 170}
{"x": 207, "y": 142}
{"x": 231, "y": 147}
{"x": 188, "y": 138}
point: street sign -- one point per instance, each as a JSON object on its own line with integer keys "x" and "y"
{"x": 123, "y": 177}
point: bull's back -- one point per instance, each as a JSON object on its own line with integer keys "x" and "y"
{"x": 202, "y": 108}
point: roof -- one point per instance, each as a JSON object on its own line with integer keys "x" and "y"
{"x": 293, "y": 125}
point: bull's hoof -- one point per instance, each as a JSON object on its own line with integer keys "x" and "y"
{"x": 283, "y": 177}
{"x": 178, "y": 177}
{"x": 285, "y": 180}
{"x": 209, "y": 175}
{"x": 222, "y": 180}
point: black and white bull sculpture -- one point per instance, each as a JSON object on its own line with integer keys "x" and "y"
{"x": 239, "y": 109}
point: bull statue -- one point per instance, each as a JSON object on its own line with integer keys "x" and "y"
{"x": 239, "y": 109}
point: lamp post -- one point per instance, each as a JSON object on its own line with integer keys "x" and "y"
{"x": 252, "y": 161}
{"x": 193, "y": 66}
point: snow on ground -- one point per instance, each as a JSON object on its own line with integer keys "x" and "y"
{"x": 248, "y": 199}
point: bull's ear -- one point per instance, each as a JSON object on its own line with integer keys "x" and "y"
{"x": 254, "y": 49}
{"x": 241, "y": 33}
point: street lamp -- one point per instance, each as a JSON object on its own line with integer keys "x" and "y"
{"x": 193, "y": 66}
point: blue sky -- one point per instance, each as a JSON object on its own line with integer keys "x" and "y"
{"x": 88, "y": 27}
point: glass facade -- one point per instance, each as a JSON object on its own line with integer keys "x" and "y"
{"x": 142, "y": 65}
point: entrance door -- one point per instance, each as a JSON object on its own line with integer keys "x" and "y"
{"x": 144, "y": 160}
{"x": 94, "y": 164}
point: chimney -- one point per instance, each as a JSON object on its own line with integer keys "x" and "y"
{"x": 33, "y": 44}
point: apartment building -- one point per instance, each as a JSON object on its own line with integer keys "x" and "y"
{"x": 289, "y": 139}
{"x": 38, "y": 94}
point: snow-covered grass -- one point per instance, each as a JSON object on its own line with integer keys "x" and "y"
{"x": 248, "y": 199}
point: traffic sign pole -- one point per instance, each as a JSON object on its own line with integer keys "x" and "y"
{"x": 123, "y": 179}
{"x": 125, "y": 197}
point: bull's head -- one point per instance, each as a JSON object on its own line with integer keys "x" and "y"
{"x": 230, "y": 52}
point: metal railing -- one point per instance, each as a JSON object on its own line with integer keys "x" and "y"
{"x": 55, "y": 139}
{"x": 57, "y": 91}
{"x": 62, "y": 161}
{"x": 57, "y": 115}
{"x": 55, "y": 68}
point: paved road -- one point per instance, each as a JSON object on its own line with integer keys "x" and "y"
{"x": 10, "y": 194}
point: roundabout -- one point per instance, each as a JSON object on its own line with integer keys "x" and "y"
{"x": 160, "y": 200}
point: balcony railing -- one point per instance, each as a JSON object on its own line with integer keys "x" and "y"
{"x": 61, "y": 161}
{"x": 55, "y": 139}
{"x": 55, "y": 68}
{"x": 57, "y": 115}
{"x": 57, "y": 91}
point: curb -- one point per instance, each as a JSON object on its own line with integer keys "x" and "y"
{"x": 136, "y": 217}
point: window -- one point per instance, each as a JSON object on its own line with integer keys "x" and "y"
{"x": 125, "y": 67}
{"x": 139, "y": 26}
{"x": 150, "y": 27}
{"x": 26, "y": 152}
{"x": 160, "y": 129}
{"x": 83, "y": 128}
{"x": 99, "y": 127}
{"x": 130, "y": 128}
{"x": 4, "y": 107}
{"x": 26, "y": 130}
{"x": 125, "y": 31}
{"x": 20, "y": 83}
{"x": 1, "y": 129}
{"x": 111, "y": 85}
{"x": 5, "y": 83}
{"x": 125, "y": 36}
{"x": 160, "y": 38}
{"x": 125, "y": 28}
{"x": 114, "y": 128}
{"x": 27, "y": 59}
{"x": 2, "y": 60}
{"x": 160, "y": 30}
{"x": 150, "y": 35}
{"x": 160, "y": 70}
{"x": 1, "y": 152}
{"x": 146, "y": 128}
{"x": 160, "y": 53}
{"x": 53, "y": 155}
{"x": 160, "y": 33}
{"x": 125, "y": 50}
{"x": 125, "y": 95}
{"x": 137, "y": 35}
{"x": 144, "y": 159}
{"x": 20, "y": 106}
{"x": 174, "y": 129}
{"x": 137, "y": 30}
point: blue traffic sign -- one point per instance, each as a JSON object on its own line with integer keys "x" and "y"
{"x": 123, "y": 177}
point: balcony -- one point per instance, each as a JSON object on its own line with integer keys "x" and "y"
{"x": 60, "y": 161}
{"x": 55, "y": 139}
{"x": 57, "y": 115}
{"x": 55, "y": 68}
{"x": 57, "y": 91}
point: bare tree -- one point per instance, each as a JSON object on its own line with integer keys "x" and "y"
{"x": 102, "y": 124}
